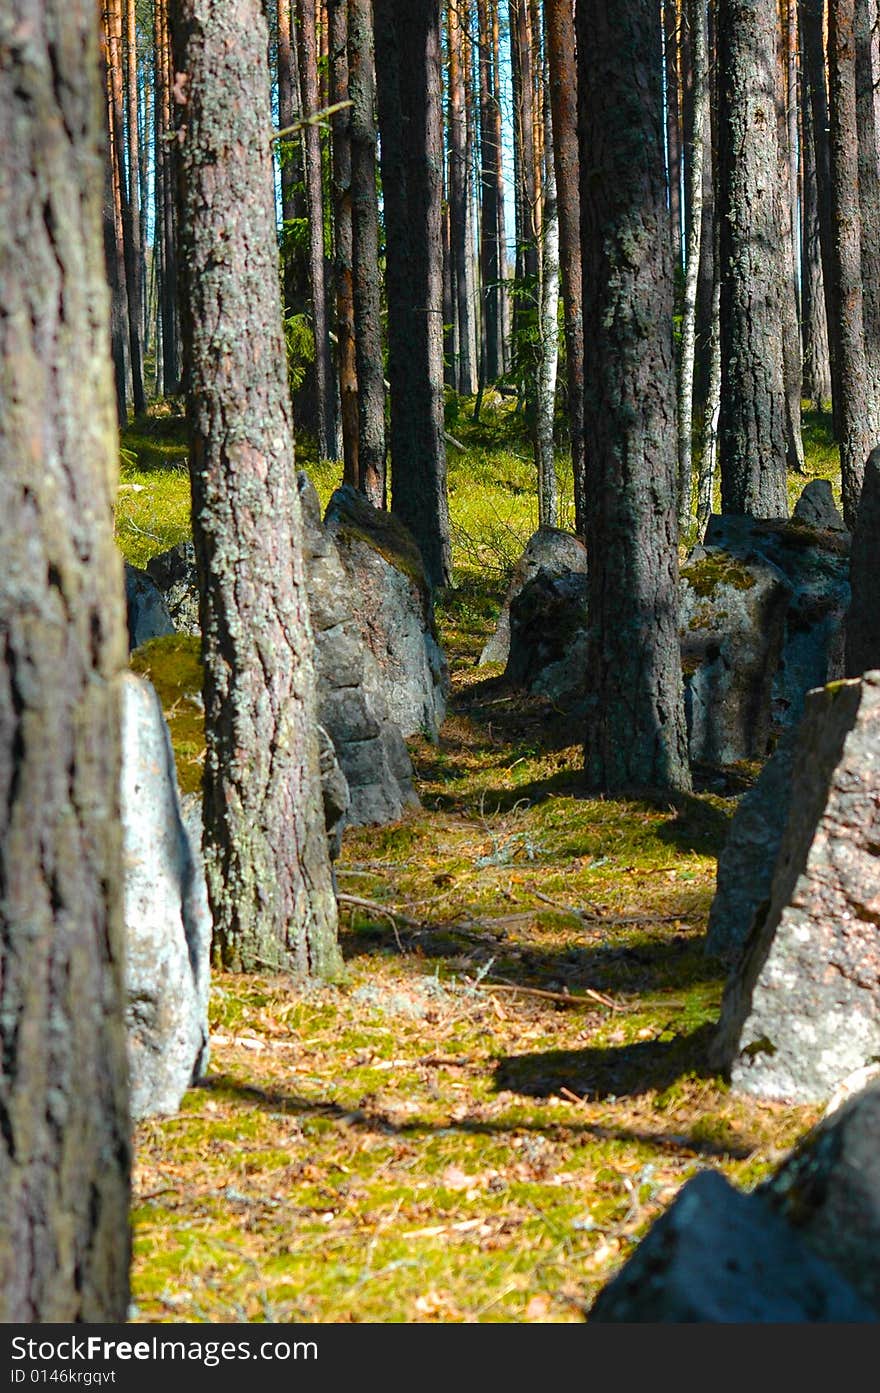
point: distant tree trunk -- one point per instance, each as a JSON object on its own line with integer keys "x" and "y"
{"x": 365, "y": 253}
{"x": 308, "y": 76}
{"x": 673, "y": 124}
{"x": 562, "y": 60}
{"x": 341, "y": 152}
{"x": 136, "y": 279}
{"x": 116, "y": 248}
{"x": 266, "y": 855}
{"x": 290, "y": 154}
{"x": 548, "y": 361}
{"x": 791, "y": 333}
{"x": 699, "y": 104}
{"x": 635, "y": 730}
{"x": 814, "y": 324}
{"x": 753, "y": 429}
{"x": 166, "y": 177}
{"x": 855, "y": 387}
{"x": 410, "y": 119}
{"x": 64, "y": 1140}
{"x": 118, "y": 305}
{"x": 811, "y": 16}
{"x": 867, "y": 80}
{"x": 458, "y": 194}
{"x": 490, "y": 161}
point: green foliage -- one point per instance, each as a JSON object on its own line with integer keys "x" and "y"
{"x": 299, "y": 339}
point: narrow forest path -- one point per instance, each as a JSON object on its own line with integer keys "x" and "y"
{"x": 508, "y": 1085}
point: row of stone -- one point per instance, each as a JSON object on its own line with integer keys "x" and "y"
{"x": 764, "y": 616}
{"x": 381, "y": 674}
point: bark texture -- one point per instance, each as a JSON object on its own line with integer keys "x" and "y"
{"x": 266, "y": 856}
{"x": 344, "y": 275}
{"x": 753, "y": 428}
{"x": 64, "y": 1130}
{"x": 636, "y": 730}
{"x": 365, "y": 254}
{"x": 408, "y": 78}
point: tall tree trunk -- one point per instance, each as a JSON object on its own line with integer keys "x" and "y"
{"x": 814, "y": 324}
{"x": 64, "y": 1139}
{"x": 166, "y": 160}
{"x": 490, "y": 160}
{"x": 699, "y": 106}
{"x": 867, "y": 80}
{"x": 290, "y": 156}
{"x": 811, "y": 16}
{"x": 266, "y": 855}
{"x": 636, "y": 730}
{"x": 855, "y": 387}
{"x": 118, "y": 306}
{"x": 458, "y": 191}
{"x": 365, "y": 253}
{"x": 308, "y": 70}
{"x": 117, "y": 276}
{"x": 135, "y": 261}
{"x": 791, "y": 332}
{"x": 548, "y": 361}
{"x": 562, "y": 60}
{"x": 410, "y": 120}
{"x": 673, "y": 124}
{"x": 753, "y": 429}
{"x": 341, "y": 151}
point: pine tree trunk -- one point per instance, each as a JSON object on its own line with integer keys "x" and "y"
{"x": 410, "y": 120}
{"x": 673, "y": 125}
{"x": 791, "y": 332}
{"x": 308, "y": 72}
{"x": 344, "y": 275}
{"x": 365, "y": 253}
{"x": 64, "y": 1138}
{"x": 562, "y": 60}
{"x": 855, "y": 387}
{"x": 699, "y": 105}
{"x": 753, "y": 429}
{"x": 548, "y": 362}
{"x": 266, "y": 855}
{"x": 290, "y": 157}
{"x": 458, "y": 184}
{"x": 636, "y": 731}
{"x": 869, "y": 197}
{"x": 817, "y": 364}
{"x": 490, "y": 157}
{"x": 166, "y": 161}
{"x": 135, "y": 277}
{"x": 811, "y": 15}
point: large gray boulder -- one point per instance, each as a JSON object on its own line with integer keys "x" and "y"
{"x": 801, "y": 1011}
{"x": 718, "y": 1255}
{"x": 829, "y": 1191}
{"x": 863, "y": 622}
{"x": 393, "y": 605}
{"x": 352, "y": 707}
{"x": 174, "y": 573}
{"x": 167, "y": 920}
{"x": 816, "y": 565}
{"x": 549, "y": 549}
{"x": 549, "y": 637}
{"x": 146, "y": 611}
{"x": 748, "y": 857}
{"x": 732, "y": 613}
{"x": 817, "y": 508}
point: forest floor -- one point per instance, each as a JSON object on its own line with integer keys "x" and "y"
{"x": 481, "y": 1118}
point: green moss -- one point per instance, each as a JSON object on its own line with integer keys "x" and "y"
{"x": 174, "y": 667}
{"x": 706, "y": 575}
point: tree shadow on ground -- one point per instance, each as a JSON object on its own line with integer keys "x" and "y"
{"x": 226, "y": 1087}
{"x": 642, "y": 964}
{"x": 626, "y": 1071}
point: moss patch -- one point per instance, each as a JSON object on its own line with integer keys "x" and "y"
{"x": 708, "y": 574}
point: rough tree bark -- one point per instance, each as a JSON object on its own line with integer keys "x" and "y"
{"x": 308, "y": 72}
{"x": 636, "y": 731}
{"x": 562, "y": 60}
{"x": 458, "y": 193}
{"x": 753, "y": 428}
{"x": 814, "y": 323}
{"x": 811, "y": 18}
{"x": 410, "y": 120}
{"x": 548, "y": 349}
{"x": 64, "y": 1126}
{"x": 854, "y": 385}
{"x": 266, "y": 855}
{"x": 869, "y": 195}
{"x": 365, "y": 253}
{"x": 696, "y": 144}
{"x": 344, "y": 276}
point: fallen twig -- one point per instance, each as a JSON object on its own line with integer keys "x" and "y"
{"x": 567, "y": 998}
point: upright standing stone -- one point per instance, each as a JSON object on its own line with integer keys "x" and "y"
{"x": 863, "y": 623}
{"x": 167, "y": 920}
{"x": 802, "y": 1010}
